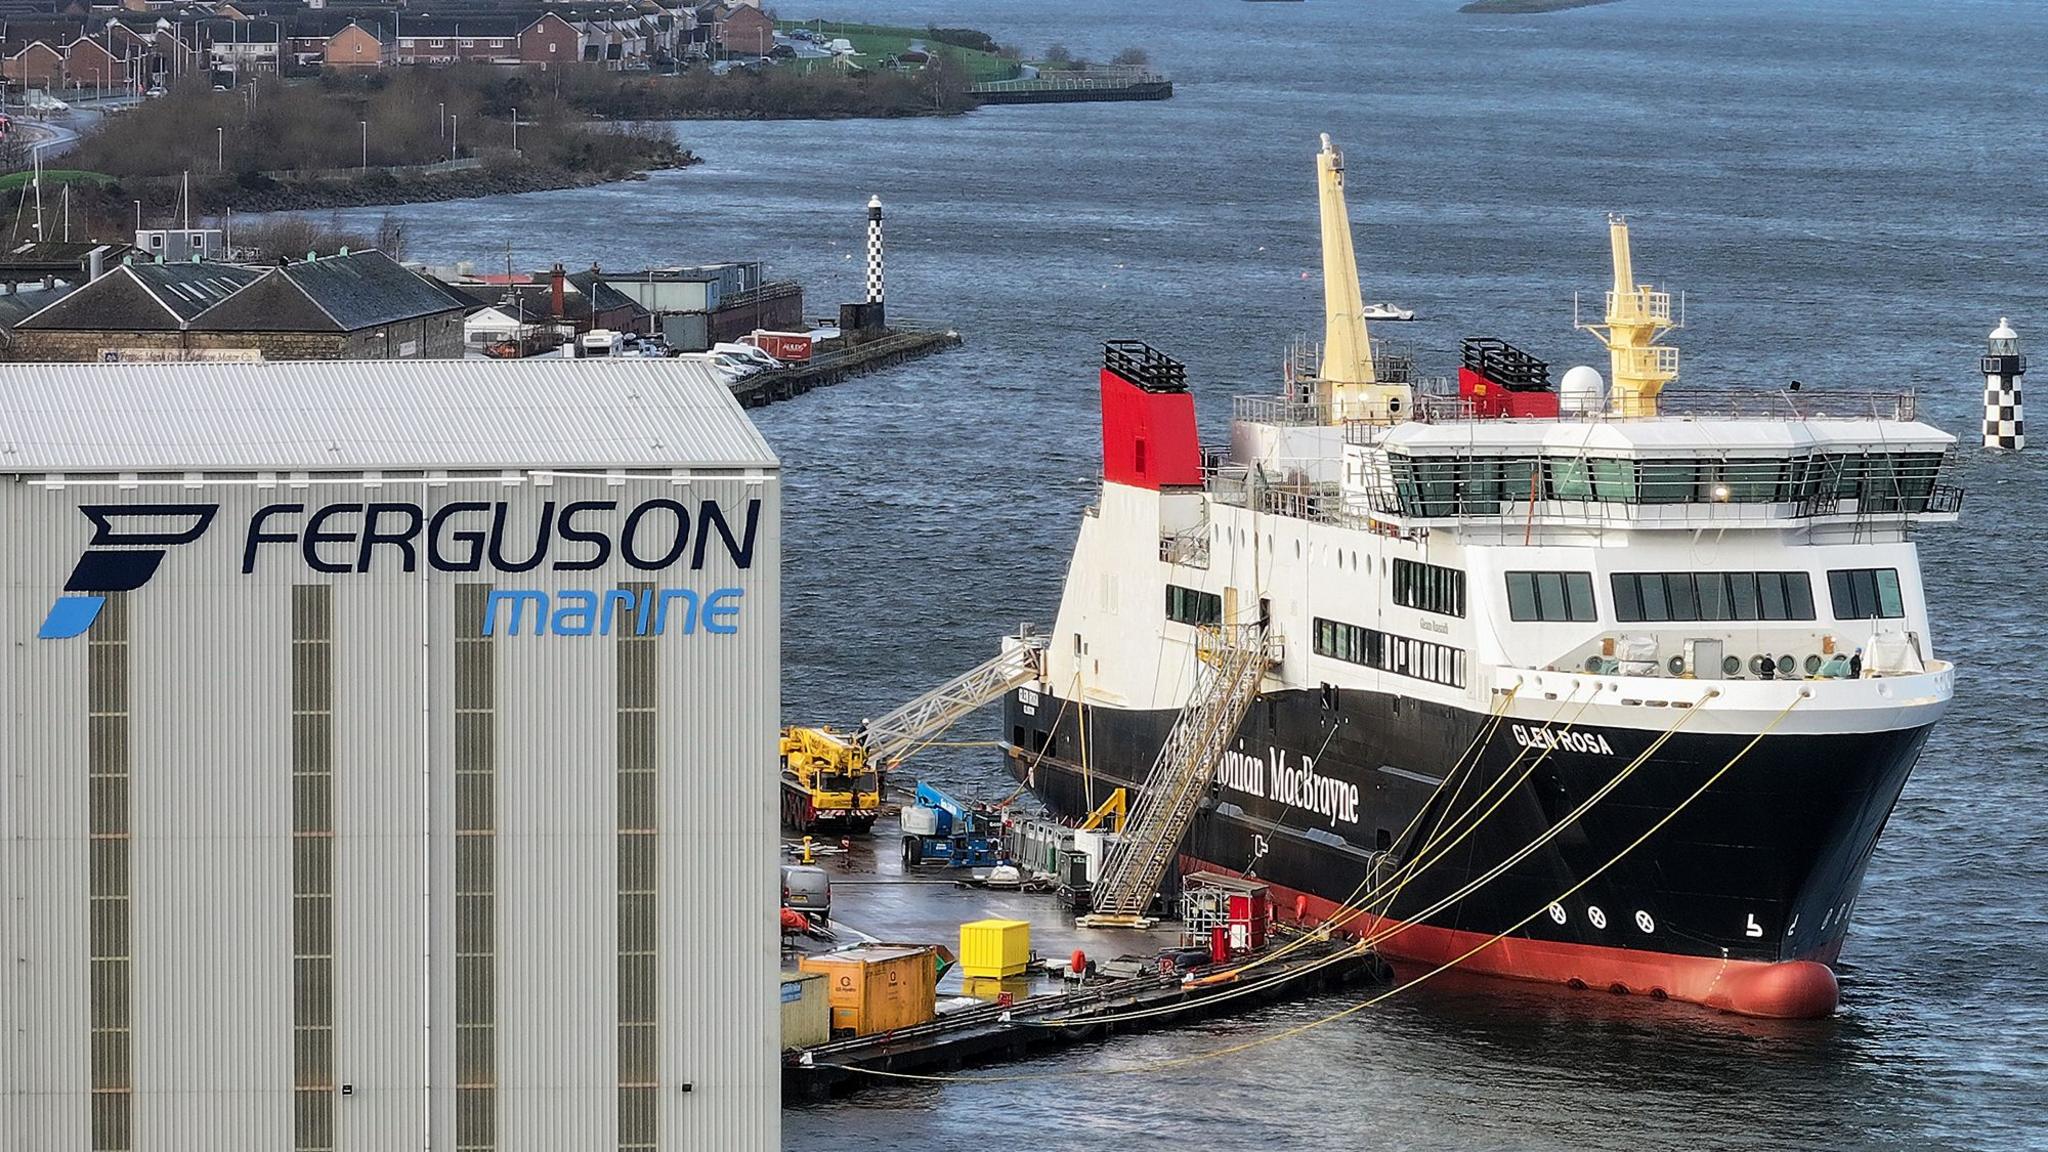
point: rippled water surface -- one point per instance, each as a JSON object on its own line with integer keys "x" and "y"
{"x": 1850, "y": 194}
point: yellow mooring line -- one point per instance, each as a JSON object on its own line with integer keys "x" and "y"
{"x": 1344, "y": 1013}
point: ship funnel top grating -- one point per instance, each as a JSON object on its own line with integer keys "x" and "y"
{"x": 1145, "y": 366}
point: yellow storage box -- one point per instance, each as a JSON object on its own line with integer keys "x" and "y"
{"x": 995, "y": 949}
{"x": 877, "y": 988}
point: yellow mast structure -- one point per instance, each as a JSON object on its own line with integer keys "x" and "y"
{"x": 1637, "y": 314}
{"x": 1346, "y": 387}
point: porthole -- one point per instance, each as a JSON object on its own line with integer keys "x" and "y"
{"x": 1645, "y": 921}
{"x": 1731, "y": 665}
{"x": 1592, "y": 665}
{"x": 1813, "y": 664}
{"x": 1756, "y": 665}
{"x": 1676, "y": 665}
{"x": 1595, "y": 916}
{"x": 1787, "y": 666}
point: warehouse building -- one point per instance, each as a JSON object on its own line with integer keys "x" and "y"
{"x": 388, "y": 753}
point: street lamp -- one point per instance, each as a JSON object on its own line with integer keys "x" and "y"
{"x": 220, "y": 149}
{"x": 444, "y": 120}
{"x": 515, "y": 131}
{"x": 366, "y": 145}
{"x": 454, "y": 130}
{"x": 138, "y": 219}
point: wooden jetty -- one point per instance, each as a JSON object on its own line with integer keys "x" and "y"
{"x": 1074, "y": 89}
{"x": 842, "y": 358}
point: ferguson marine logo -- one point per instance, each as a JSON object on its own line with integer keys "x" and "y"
{"x": 129, "y": 541}
{"x": 119, "y": 558}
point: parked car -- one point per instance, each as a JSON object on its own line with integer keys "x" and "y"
{"x": 154, "y": 92}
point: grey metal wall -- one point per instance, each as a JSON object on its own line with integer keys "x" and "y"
{"x": 223, "y": 974}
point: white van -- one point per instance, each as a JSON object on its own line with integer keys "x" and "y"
{"x": 748, "y": 354}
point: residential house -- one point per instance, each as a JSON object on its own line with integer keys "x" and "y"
{"x": 31, "y": 64}
{"x": 245, "y": 49}
{"x": 550, "y": 42}
{"x": 357, "y": 46}
{"x": 746, "y": 31}
{"x": 479, "y": 39}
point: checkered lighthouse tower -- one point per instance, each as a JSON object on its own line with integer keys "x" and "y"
{"x": 2005, "y": 426}
{"x": 874, "y": 249}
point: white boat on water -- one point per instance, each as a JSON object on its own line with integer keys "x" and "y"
{"x": 1388, "y": 312}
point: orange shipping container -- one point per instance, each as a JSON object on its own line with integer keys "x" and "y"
{"x": 877, "y": 989}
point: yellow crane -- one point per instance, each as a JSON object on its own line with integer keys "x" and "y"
{"x": 838, "y": 778}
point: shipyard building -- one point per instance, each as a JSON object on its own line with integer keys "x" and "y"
{"x": 387, "y": 758}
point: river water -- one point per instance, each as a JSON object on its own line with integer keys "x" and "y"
{"x": 1850, "y": 193}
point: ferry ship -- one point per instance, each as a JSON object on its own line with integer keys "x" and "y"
{"x": 1594, "y": 681}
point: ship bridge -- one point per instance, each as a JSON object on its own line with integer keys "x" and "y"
{"x": 1730, "y": 459}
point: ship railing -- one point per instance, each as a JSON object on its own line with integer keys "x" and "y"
{"x": 1435, "y": 403}
{"x": 1188, "y": 548}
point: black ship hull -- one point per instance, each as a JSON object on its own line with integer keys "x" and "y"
{"x": 1741, "y": 901}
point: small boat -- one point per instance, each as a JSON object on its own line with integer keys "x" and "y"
{"x": 1388, "y": 312}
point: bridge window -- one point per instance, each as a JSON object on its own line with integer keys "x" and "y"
{"x": 1430, "y": 587}
{"x": 1551, "y": 596}
{"x": 1866, "y": 593}
{"x": 1191, "y": 606}
{"x": 1658, "y": 597}
{"x": 1401, "y": 655}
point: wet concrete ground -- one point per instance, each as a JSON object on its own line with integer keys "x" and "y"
{"x": 874, "y": 898}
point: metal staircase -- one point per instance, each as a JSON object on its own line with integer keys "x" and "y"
{"x": 1230, "y": 660}
{"x": 889, "y": 737}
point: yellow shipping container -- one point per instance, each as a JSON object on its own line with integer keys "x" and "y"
{"x": 806, "y": 1013}
{"x": 877, "y": 989}
{"x": 995, "y": 949}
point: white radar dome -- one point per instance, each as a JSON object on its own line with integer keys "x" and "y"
{"x": 1582, "y": 390}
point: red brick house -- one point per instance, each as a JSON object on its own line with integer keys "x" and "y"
{"x": 88, "y": 64}
{"x": 356, "y": 47}
{"x": 746, "y": 31}
{"x": 549, "y": 41}
{"x": 31, "y": 65}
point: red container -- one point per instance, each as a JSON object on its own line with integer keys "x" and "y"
{"x": 1219, "y": 945}
{"x": 788, "y": 347}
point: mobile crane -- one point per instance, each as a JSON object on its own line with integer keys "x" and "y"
{"x": 838, "y": 778}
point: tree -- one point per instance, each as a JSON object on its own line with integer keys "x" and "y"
{"x": 1058, "y": 54}
{"x": 1132, "y": 58}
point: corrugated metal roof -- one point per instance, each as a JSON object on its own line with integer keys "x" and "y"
{"x": 374, "y": 414}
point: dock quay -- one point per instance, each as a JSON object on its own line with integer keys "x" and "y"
{"x": 995, "y": 1033}
{"x": 878, "y": 898}
{"x": 841, "y": 358}
{"x": 1073, "y": 89}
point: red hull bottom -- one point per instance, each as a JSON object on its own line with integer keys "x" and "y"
{"x": 1789, "y": 989}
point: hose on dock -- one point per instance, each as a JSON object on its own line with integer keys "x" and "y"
{"x": 1374, "y": 1001}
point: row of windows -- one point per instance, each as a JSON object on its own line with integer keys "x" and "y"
{"x": 1865, "y": 593}
{"x": 1659, "y": 596}
{"x": 1879, "y": 482}
{"x": 1430, "y": 587}
{"x": 1192, "y": 606}
{"x": 1437, "y": 663}
{"x": 1552, "y": 596}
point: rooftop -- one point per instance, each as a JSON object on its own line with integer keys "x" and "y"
{"x": 372, "y": 414}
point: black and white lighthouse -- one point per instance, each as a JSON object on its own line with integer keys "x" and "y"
{"x": 2005, "y": 426}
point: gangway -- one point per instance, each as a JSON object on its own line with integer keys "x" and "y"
{"x": 840, "y": 777}
{"x": 1230, "y": 661}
